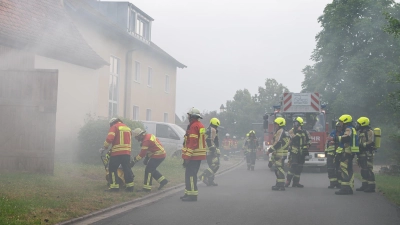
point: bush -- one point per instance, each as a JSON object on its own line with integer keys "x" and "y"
{"x": 92, "y": 136}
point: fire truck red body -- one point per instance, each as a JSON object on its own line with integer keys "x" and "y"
{"x": 307, "y": 106}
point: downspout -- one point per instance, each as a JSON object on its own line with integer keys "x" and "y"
{"x": 128, "y": 79}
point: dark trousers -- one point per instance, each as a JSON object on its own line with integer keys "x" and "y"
{"x": 213, "y": 166}
{"x": 331, "y": 167}
{"x": 366, "y": 162}
{"x": 279, "y": 172}
{"x": 124, "y": 161}
{"x": 152, "y": 172}
{"x": 338, "y": 158}
{"x": 251, "y": 158}
{"x": 191, "y": 170}
{"x": 296, "y": 167}
{"x": 346, "y": 169}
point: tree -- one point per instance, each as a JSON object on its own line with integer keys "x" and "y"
{"x": 270, "y": 95}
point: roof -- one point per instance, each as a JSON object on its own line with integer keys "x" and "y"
{"x": 44, "y": 28}
{"x": 81, "y": 7}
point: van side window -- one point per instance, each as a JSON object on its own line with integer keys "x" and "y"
{"x": 164, "y": 131}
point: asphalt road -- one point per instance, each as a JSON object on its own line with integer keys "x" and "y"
{"x": 245, "y": 197}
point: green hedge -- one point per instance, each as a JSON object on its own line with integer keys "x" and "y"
{"x": 92, "y": 136}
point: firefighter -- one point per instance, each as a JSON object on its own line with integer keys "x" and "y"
{"x": 279, "y": 150}
{"x": 348, "y": 141}
{"x": 226, "y": 144}
{"x": 154, "y": 154}
{"x": 193, "y": 151}
{"x": 296, "y": 158}
{"x": 251, "y": 146}
{"x": 234, "y": 145}
{"x": 213, "y": 153}
{"x": 330, "y": 153}
{"x": 366, "y": 156}
{"x": 119, "y": 136}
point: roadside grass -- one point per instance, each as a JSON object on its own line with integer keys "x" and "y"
{"x": 74, "y": 190}
{"x": 388, "y": 185}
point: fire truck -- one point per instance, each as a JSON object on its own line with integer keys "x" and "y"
{"x": 307, "y": 106}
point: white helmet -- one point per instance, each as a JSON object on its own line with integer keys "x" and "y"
{"x": 113, "y": 120}
{"x": 234, "y": 137}
{"x": 194, "y": 112}
{"x": 136, "y": 132}
{"x": 227, "y": 135}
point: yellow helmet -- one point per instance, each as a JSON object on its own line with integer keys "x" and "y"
{"x": 363, "y": 121}
{"x": 300, "y": 120}
{"x": 280, "y": 121}
{"x": 214, "y": 121}
{"x": 252, "y": 132}
{"x": 346, "y": 118}
{"x": 247, "y": 134}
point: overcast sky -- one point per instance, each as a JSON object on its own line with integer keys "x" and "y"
{"x": 230, "y": 45}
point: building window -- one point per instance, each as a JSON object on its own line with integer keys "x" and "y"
{"x": 148, "y": 114}
{"x": 137, "y": 71}
{"x": 135, "y": 112}
{"x": 132, "y": 18}
{"x": 167, "y": 83}
{"x": 113, "y": 87}
{"x": 142, "y": 28}
{"x": 166, "y": 117}
{"x": 149, "y": 77}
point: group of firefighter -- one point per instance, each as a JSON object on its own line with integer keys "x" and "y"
{"x": 344, "y": 143}
{"x": 202, "y": 143}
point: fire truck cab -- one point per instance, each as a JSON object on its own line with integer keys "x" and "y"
{"x": 308, "y": 107}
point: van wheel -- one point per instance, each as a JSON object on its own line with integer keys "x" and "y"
{"x": 176, "y": 154}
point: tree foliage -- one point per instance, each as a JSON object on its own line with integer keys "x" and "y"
{"x": 354, "y": 57}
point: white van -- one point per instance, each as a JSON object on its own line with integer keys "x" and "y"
{"x": 170, "y": 135}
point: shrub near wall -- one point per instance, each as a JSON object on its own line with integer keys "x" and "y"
{"x": 92, "y": 136}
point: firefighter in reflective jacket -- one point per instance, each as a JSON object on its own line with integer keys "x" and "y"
{"x": 193, "y": 151}
{"x": 279, "y": 150}
{"x": 330, "y": 153}
{"x": 296, "y": 158}
{"x": 349, "y": 142}
{"x": 154, "y": 154}
{"x": 251, "y": 146}
{"x": 119, "y": 136}
{"x": 366, "y": 155}
{"x": 213, "y": 153}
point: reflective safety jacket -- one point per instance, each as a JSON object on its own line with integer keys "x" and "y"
{"x": 212, "y": 139}
{"x": 349, "y": 139}
{"x": 280, "y": 143}
{"x": 151, "y": 147}
{"x": 251, "y": 144}
{"x": 119, "y": 136}
{"x": 298, "y": 138}
{"x": 366, "y": 138}
{"x": 194, "y": 145}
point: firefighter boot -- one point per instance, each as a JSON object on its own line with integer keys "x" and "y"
{"x": 344, "y": 191}
{"x": 205, "y": 180}
{"x": 184, "y": 196}
{"x": 162, "y": 184}
{"x": 211, "y": 181}
{"x": 248, "y": 167}
{"x": 287, "y": 183}
{"x": 252, "y": 168}
{"x": 333, "y": 184}
{"x": 189, "y": 198}
{"x": 363, "y": 186}
{"x": 278, "y": 188}
{"x": 370, "y": 188}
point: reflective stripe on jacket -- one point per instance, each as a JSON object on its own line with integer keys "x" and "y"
{"x": 194, "y": 146}
{"x": 119, "y": 136}
{"x": 152, "y": 147}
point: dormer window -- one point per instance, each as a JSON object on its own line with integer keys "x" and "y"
{"x": 142, "y": 28}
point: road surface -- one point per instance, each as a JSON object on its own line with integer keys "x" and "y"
{"x": 245, "y": 197}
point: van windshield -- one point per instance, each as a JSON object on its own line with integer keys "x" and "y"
{"x": 181, "y": 132}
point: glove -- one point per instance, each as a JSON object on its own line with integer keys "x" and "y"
{"x": 218, "y": 152}
{"x": 132, "y": 163}
{"x": 270, "y": 164}
{"x": 146, "y": 160}
{"x": 270, "y": 150}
